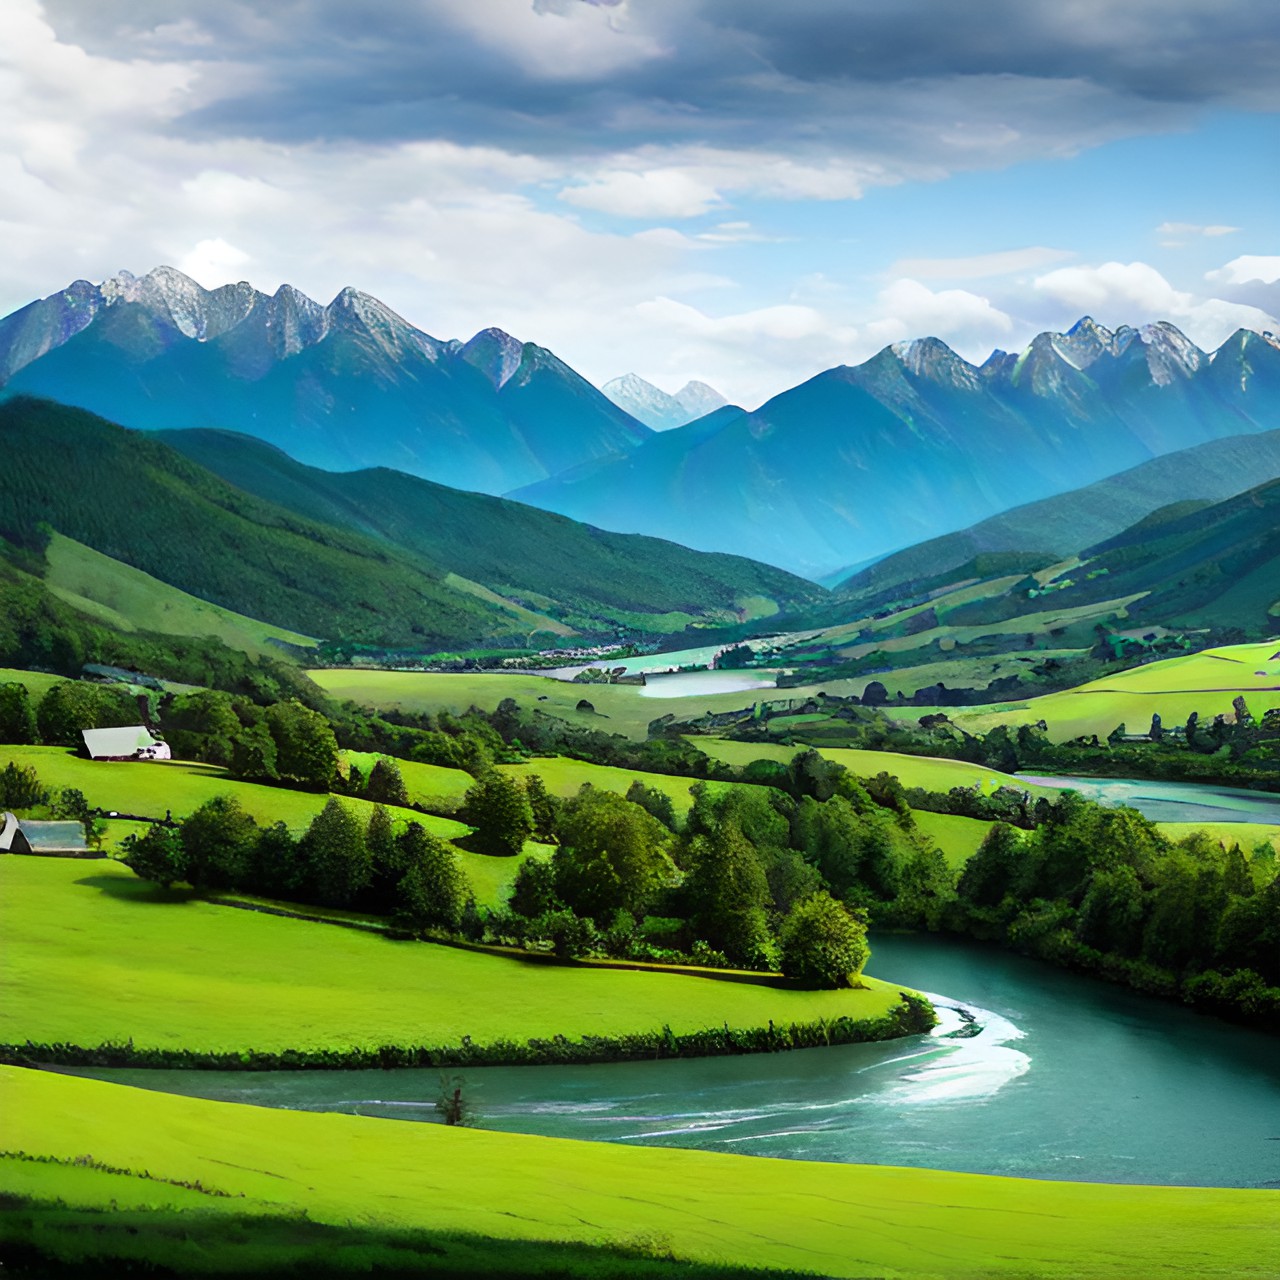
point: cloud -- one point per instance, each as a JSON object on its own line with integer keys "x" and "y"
{"x": 1136, "y": 293}
{"x": 1242, "y": 270}
{"x": 655, "y": 193}
{"x": 980, "y": 266}
{"x": 1193, "y": 229}
{"x": 968, "y": 322}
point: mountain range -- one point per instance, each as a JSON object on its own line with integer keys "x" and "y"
{"x": 655, "y": 408}
{"x": 916, "y": 442}
{"x": 856, "y": 463}
{"x": 342, "y": 386}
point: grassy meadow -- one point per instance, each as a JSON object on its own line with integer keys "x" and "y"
{"x": 130, "y": 600}
{"x": 832, "y": 1220}
{"x": 92, "y": 954}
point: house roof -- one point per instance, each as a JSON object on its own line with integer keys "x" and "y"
{"x": 117, "y": 742}
{"x": 53, "y": 836}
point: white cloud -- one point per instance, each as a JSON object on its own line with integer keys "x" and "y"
{"x": 1136, "y": 293}
{"x": 1193, "y": 229}
{"x": 653, "y": 193}
{"x": 1264, "y": 268}
{"x": 965, "y": 321}
{"x": 979, "y": 266}
{"x": 213, "y": 262}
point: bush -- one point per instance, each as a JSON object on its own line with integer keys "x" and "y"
{"x": 823, "y": 944}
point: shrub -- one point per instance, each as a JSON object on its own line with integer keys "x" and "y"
{"x": 823, "y": 944}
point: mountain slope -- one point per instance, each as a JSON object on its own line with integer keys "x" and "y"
{"x": 346, "y": 385}
{"x": 590, "y": 577}
{"x": 1061, "y": 525}
{"x": 858, "y": 462}
{"x": 379, "y": 558}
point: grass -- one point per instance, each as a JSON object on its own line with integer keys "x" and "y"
{"x": 38, "y": 683}
{"x": 930, "y": 772}
{"x": 92, "y": 955}
{"x": 564, "y": 776}
{"x": 1205, "y": 682}
{"x": 127, "y": 598}
{"x": 152, "y": 788}
{"x": 835, "y": 1220}
{"x": 422, "y": 781}
{"x": 957, "y": 837}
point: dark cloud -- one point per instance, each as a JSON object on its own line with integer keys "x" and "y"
{"x": 882, "y": 78}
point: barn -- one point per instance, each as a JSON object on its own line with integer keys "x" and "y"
{"x": 132, "y": 742}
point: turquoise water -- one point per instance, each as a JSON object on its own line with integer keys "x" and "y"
{"x": 1172, "y": 801}
{"x": 1065, "y": 1077}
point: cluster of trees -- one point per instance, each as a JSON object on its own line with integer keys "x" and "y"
{"x": 1106, "y": 891}
{"x": 339, "y": 862}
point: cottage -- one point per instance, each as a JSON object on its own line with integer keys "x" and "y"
{"x": 133, "y": 742}
{"x": 51, "y": 839}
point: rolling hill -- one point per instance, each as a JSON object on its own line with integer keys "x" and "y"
{"x": 416, "y": 566}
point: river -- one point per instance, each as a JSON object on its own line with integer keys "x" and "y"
{"x": 1172, "y": 801}
{"x": 1066, "y": 1077}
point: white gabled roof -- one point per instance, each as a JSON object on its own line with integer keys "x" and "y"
{"x": 125, "y": 741}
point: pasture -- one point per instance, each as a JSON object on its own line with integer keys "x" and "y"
{"x": 833, "y": 1220}
{"x": 1205, "y": 682}
{"x": 93, "y": 955}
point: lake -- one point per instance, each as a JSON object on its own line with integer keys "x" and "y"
{"x": 1066, "y": 1077}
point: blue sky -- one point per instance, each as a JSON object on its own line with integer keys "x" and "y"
{"x": 733, "y": 190}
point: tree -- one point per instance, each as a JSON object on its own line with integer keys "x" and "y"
{"x": 656, "y": 803}
{"x": 156, "y": 855}
{"x": 253, "y": 753}
{"x": 66, "y": 709}
{"x": 612, "y": 856}
{"x": 534, "y": 891}
{"x": 71, "y": 803}
{"x": 386, "y": 864}
{"x": 202, "y": 726}
{"x": 17, "y": 718}
{"x": 823, "y": 943}
{"x": 276, "y": 870}
{"x": 433, "y": 890}
{"x": 992, "y": 871}
{"x": 726, "y": 891}
{"x": 498, "y": 807}
{"x": 20, "y": 787}
{"x": 333, "y": 850}
{"x": 451, "y": 1105}
{"x": 385, "y": 785}
{"x": 218, "y": 841}
{"x": 306, "y": 749}
{"x": 543, "y": 805}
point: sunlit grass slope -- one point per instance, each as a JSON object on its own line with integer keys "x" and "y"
{"x": 834, "y": 1220}
{"x": 1205, "y": 682}
{"x": 91, "y": 954}
{"x": 127, "y": 598}
{"x": 152, "y": 788}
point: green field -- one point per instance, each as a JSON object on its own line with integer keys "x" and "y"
{"x": 564, "y": 776}
{"x": 957, "y": 837}
{"x": 130, "y": 600}
{"x": 423, "y": 782}
{"x": 1205, "y": 682}
{"x": 38, "y": 683}
{"x": 834, "y": 1220}
{"x": 929, "y": 772}
{"x": 154, "y": 787}
{"x": 92, "y": 954}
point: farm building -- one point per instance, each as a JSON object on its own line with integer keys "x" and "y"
{"x": 133, "y": 742}
{"x": 52, "y": 839}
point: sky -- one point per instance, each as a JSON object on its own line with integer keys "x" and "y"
{"x": 743, "y": 192}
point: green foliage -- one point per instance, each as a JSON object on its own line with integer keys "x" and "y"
{"x": 74, "y": 705}
{"x": 995, "y": 869}
{"x": 544, "y": 806}
{"x": 218, "y": 842}
{"x": 337, "y": 860}
{"x": 498, "y": 807}
{"x": 534, "y": 892}
{"x": 306, "y": 748}
{"x": 157, "y": 855}
{"x": 726, "y": 891}
{"x": 655, "y": 802}
{"x": 20, "y": 787}
{"x": 612, "y": 856}
{"x": 432, "y": 891}
{"x": 17, "y": 716}
{"x": 823, "y": 944}
{"x": 385, "y": 785}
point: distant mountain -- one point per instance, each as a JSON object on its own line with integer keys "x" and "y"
{"x": 861, "y": 461}
{"x": 1061, "y": 525}
{"x": 373, "y": 557}
{"x": 346, "y": 385}
{"x": 655, "y": 408}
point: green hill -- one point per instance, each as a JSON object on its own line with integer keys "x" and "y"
{"x": 135, "y": 499}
